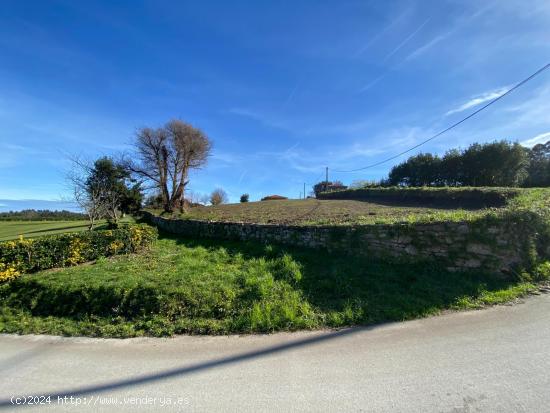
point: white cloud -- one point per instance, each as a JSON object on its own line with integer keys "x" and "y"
{"x": 265, "y": 119}
{"x": 383, "y": 32}
{"x": 242, "y": 176}
{"x": 463, "y": 21}
{"x": 533, "y": 111}
{"x": 13, "y": 155}
{"x": 478, "y": 100}
{"x": 541, "y": 138}
{"x": 406, "y": 40}
{"x": 422, "y": 49}
{"x": 226, "y": 158}
{"x": 290, "y": 96}
{"x": 245, "y": 112}
{"x": 373, "y": 82}
{"x": 62, "y": 123}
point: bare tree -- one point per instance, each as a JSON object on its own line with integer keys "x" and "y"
{"x": 89, "y": 199}
{"x": 165, "y": 157}
{"x": 218, "y": 196}
{"x": 204, "y": 199}
{"x": 193, "y": 197}
{"x": 191, "y": 150}
{"x": 152, "y": 147}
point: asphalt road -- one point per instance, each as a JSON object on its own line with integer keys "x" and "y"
{"x": 494, "y": 360}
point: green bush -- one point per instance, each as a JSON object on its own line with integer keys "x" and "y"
{"x": 29, "y": 255}
{"x": 456, "y": 197}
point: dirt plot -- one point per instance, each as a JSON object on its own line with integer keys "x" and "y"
{"x": 312, "y": 211}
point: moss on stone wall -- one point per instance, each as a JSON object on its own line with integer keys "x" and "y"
{"x": 501, "y": 246}
{"x": 499, "y": 240}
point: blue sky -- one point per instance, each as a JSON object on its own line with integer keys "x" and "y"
{"x": 282, "y": 88}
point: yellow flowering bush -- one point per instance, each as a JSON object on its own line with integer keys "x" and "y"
{"x": 76, "y": 248}
{"x": 8, "y": 272}
{"x": 29, "y": 255}
{"x": 116, "y": 246}
{"x": 136, "y": 235}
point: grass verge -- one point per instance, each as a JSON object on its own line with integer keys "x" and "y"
{"x": 199, "y": 287}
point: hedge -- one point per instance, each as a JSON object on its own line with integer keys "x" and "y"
{"x": 30, "y": 255}
{"x": 458, "y": 197}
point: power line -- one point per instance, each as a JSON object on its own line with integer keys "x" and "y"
{"x": 316, "y": 181}
{"x": 454, "y": 125}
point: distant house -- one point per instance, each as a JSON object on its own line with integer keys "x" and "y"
{"x": 273, "y": 197}
{"x": 328, "y": 187}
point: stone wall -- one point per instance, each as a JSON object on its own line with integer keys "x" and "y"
{"x": 496, "y": 247}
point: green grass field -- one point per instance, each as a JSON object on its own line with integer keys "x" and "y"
{"x": 32, "y": 229}
{"x": 191, "y": 286}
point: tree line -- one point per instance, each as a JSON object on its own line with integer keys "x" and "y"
{"x": 499, "y": 163}
{"x": 41, "y": 215}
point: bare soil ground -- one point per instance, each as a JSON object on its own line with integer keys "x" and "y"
{"x": 311, "y": 211}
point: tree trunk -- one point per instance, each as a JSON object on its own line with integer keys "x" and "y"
{"x": 115, "y": 216}
{"x": 182, "y": 198}
{"x": 168, "y": 205}
{"x": 182, "y": 187}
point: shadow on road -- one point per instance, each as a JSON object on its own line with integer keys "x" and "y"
{"x": 21, "y": 357}
{"x": 195, "y": 368}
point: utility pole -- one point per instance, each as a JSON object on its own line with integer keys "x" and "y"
{"x": 326, "y": 179}
{"x": 304, "y": 190}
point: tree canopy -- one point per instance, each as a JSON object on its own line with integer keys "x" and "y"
{"x": 499, "y": 163}
{"x": 218, "y": 196}
{"x": 539, "y": 166}
{"x": 104, "y": 189}
{"x": 324, "y": 186}
{"x": 165, "y": 156}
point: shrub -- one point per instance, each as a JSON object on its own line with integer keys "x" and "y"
{"x": 365, "y": 183}
{"x": 218, "y": 196}
{"x": 244, "y": 197}
{"x": 29, "y": 255}
{"x": 8, "y": 272}
{"x": 457, "y": 197}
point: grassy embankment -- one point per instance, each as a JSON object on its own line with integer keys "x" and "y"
{"x": 190, "y": 286}
{"x": 198, "y": 286}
